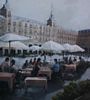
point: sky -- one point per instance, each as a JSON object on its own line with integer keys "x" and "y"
{"x": 69, "y": 14}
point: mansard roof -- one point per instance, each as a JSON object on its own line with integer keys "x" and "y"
{"x": 84, "y": 31}
{"x": 28, "y": 20}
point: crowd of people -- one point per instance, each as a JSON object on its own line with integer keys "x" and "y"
{"x": 70, "y": 60}
{"x": 8, "y": 65}
{"x": 57, "y": 68}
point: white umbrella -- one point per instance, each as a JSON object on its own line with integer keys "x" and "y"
{"x": 67, "y": 47}
{"x": 35, "y": 48}
{"x": 76, "y": 48}
{"x": 19, "y": 45}
{"x": 16, "y": 45}
{"x": 11, "y": 37}
{"x": 52, "y": 46}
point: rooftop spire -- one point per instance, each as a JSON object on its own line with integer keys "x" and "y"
{"x": 3, "y": 10}
{"x": 51, "y": 14}
{"x": 50, "y": 20}
{"x": 6, "y": 2}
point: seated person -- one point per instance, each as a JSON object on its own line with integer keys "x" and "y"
{"x": 74, "y": 60}
{"x": 36, "y": 68}
{"x": 65, "y": 60}
{"x": 0, "y": 68}
{"x": 30, "y": 63}
{"x": 44, "y": 60}
{"x": 5, "y": 65}
{"x": 13, "y": 68}
{"x": 80, "y": 65}
{"x": 81, "y": 59}
{"x": 34, "y": 61}
{"x": 25, "y": 65}
{"x": 70, "y": 61}
{"x": 39, "y": 62}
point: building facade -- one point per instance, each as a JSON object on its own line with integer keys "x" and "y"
{"x": 84, "y": 39}
{"x": 38, "y": 31}
{"x": 2, "y": 23}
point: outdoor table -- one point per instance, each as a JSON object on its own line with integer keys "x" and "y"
{"x": 8, "y": 77}
{"x": 25, "y": 73}
{"x": 36, "y": 81}
{"x": 45, "y": 71}
{"x": 70, "y": 67}
{"x": 27, "y": 69}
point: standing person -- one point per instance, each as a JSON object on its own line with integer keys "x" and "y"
{"x": 55, "y": 67}
{"x": 5, "y": 65}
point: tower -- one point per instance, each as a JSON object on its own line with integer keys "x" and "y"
{"x": 49, "y": 21}
{"x": 6, "y": 12}
{"x": 3, "y": 11}
{"x": 8, "y": 9}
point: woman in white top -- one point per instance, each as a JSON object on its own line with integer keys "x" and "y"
{"x": 5, "y": 65}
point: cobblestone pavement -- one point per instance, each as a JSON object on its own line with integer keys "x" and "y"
{"x": 34, "y": 93}
{"x": 39, "y": 93}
